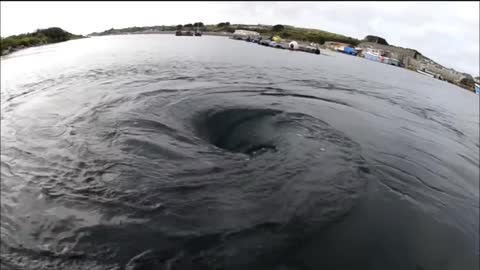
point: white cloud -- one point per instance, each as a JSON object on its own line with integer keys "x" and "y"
{"x": 447, "y": 32}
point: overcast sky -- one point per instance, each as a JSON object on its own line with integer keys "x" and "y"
{"x": 447, "y": 32}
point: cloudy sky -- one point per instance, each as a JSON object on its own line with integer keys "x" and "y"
{"x": 447, "y": 32}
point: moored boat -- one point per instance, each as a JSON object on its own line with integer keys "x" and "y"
{"x": 425, "y": 73}
{"x": 309, "y": 49}
{"x": 293, "y": 45}
{"x": 187, "y": 33}
{"x": 379, "y": 57}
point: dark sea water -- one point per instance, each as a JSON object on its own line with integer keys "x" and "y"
{"x": 164, "y": 152}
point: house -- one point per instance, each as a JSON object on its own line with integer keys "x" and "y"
{"x": 258, "y": 26}
{"x": 334, "y": 46}
{"x": 245, "y": 34}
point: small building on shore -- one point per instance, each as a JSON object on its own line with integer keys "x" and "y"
{"x": 245, "y": 34}
{"x": 334, "y": 46}
{"x": 341, "y": 47}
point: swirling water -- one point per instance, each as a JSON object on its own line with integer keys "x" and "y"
{"x": 163, "y": 152}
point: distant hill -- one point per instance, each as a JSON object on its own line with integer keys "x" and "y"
{"x": 39, "y": 37}
{"x": 376, "y": 39}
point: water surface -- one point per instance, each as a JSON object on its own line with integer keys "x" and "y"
{"x": 164, "y": 152}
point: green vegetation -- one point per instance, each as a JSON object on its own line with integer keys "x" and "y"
{"x": 221, "y": 27}
{"x": 223, "y": 24}
{"x": 39, "y": 37}
{"x": 304, "y": 34}
{"x": 278, "y": 28}
{"x": 157, "y": 28}
{"x": 191, "y": 26}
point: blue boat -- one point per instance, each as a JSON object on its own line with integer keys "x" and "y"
{"x": 371, "y": 56}
{"x": 348, "y": 50}
{"x": 477, "y": 88}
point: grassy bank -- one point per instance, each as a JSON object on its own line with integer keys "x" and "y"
{"x": 39, "y": 37}
{"x": 301, "y": 34}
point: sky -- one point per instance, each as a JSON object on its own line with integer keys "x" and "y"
{"x": 446, "y": 32}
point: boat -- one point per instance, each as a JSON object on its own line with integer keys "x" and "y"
{"x": 347, "y": 50}
{"x": 264, "y": 42}
{"x": 380, "y": 57}
{"x": 430, "y": 74}
{"x": 198, "y": 33}
{"x": 293, "y": 45}
{"x": 477, "y": 88}
{"x": 423, "y": 72}
{"x": 184, "y": 33}
{"x": 309, "y": 49}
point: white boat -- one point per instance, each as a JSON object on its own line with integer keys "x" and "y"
{"x": 425, "y": 73}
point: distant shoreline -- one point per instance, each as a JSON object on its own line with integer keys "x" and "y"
{"x": 160, "y": 33}
{"x": 12, "y": 50}
{"x": 33, "y": 46}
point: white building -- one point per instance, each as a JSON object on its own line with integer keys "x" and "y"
{"x": 244, "y": 34}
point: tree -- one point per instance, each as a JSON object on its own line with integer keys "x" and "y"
{"x": 278, "y": 28}
{"x": 223, "y": 24}
{"x": 189, "y": 25}
{"x": 376, "y": 39}
{"x": 179, "y": 27}
{"x": 55, "y": 34}
{"x": 286, "y": 34}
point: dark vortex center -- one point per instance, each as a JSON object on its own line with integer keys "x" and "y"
{"x": 248, "y": 131}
